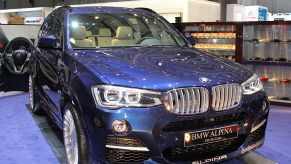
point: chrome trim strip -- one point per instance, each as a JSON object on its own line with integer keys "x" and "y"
{"x": 253, "y": 146}
{"x": 258, "y": 126}
{"x": 128, "y": 148}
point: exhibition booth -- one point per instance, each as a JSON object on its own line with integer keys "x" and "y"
{"x": 149, "y": 81}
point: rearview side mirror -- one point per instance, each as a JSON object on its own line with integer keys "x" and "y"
{"x": 47, "y": 41}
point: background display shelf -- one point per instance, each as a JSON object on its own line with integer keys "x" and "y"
{"x": 267, "y": 51}
{"x": 218, "y": 39}
{"x": 264, "y": 47}
{"x": 276, "y": 81}
{"x": 267, "y": 63}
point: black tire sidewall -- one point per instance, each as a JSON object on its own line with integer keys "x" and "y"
{"x": 36, "y": 101}
{"x": 81, "y": 136}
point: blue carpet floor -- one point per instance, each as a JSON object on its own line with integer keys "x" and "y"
{"x": 21, "y": 141}
{"x": 277, "y": 146}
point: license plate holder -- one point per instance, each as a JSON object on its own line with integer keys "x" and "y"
{"x": 211, "y": 135}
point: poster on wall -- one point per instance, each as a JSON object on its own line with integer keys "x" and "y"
{"x": 255, "y": 13}
{"x": 263, "y": 13}
{"x": 33, "y": 20}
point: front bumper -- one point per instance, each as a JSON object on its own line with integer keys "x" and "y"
{"x": 158, "y": 136}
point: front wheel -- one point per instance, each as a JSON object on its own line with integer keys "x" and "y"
{"x": 34, "y": 102}
{"x": 74, "y": 137}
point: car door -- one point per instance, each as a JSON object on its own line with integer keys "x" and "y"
{"x": 49, "y": 63}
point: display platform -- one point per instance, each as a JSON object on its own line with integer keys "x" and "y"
{"x": 22, "y": 142}
{"x": 27, "y": 138}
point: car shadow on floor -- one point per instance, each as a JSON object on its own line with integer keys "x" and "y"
{"x": 52, "y": 134}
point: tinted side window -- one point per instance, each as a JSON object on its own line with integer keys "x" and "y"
{"x": 58, "y": 29}
{"x": 47, "y": 26}
{"x": 54, "y": 24}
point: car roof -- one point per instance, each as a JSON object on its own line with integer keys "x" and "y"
{"x": 106, "y": 9}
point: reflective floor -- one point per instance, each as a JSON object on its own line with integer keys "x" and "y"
{"x": 26, "y": 138}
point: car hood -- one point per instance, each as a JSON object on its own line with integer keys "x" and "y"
{"x": 160, "y": 68}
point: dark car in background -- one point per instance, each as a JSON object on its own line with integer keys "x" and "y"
{"x": 13, "y": 67}
{"x": 125, "y": 86}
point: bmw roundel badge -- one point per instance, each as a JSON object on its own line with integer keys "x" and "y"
{"x": 204, "y": 80}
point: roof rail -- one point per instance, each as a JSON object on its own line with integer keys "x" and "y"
{"x": 66, "y": 7}
{"x": 146, "y": 9}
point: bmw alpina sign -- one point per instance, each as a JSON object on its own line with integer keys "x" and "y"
{"x": 211, "y": 160}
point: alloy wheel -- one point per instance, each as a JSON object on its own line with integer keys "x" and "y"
{"x": 70, "y": 138}
{"x": 31, "y": 93}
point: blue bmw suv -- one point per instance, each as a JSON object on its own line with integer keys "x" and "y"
{"x": 125, "y": 86}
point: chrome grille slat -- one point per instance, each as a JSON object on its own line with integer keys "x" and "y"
{"x": 207, "y": 100}
{"x": 222, "y": 98}
{"x": 234, "y": 98}
{"x": 198, "y": 101}
{"x": 214, "y": 97}
{"x": 192, "y": 100}
{"x": 226, "y": 96}
{"x": 218, "y": 97}
{"x": 182, "y": 101}
{"x": 202, "y": 99}
{"x": 195, "y": 100}
{"x": 171, "y": 100}
{"x": 240, "y": 95}
{"x": 177, "y": 104}
{"x": 188, "y": 101}
{"x": 230, "y": 96}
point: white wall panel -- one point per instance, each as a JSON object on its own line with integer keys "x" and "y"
{"x": 190, "y": 10}
{"x": 203, "y": 11}
{"x": 171, "y": 16}
{"x": 13, "y": 31}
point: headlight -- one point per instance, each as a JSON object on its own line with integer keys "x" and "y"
{"x": 252, "y": 85}
{"x": 109, "y": 96}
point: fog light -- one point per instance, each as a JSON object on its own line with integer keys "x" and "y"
{"x": 119, "y": 126}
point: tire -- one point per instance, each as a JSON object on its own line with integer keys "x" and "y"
{"x": 74, "y": 137}
{"x": 34, "y": 100}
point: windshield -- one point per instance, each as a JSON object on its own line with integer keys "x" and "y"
{"x": 95, "y": 30}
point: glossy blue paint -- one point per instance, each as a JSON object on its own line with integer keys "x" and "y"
{"x": 71, "y": 74}
{"x": 160, "y": 68}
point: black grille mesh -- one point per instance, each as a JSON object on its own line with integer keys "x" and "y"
{"x": 122, "y": 141}
{"x": 204, "y": 122}
{"x": 197, "y": 152}
{"x": 125, "y": 156}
